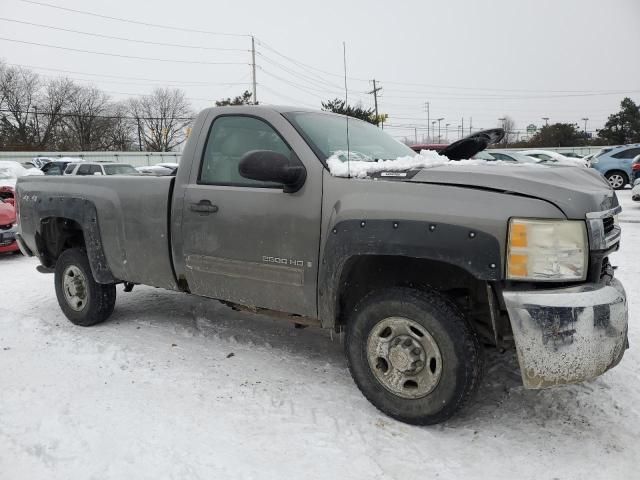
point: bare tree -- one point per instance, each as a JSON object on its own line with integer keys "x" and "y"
{"x": 162, "y": 118}
{"x": 87, "y": 121}
{"x": 509, "y": 126}
{"x": 53, "y": 104}
{"x": 19, "y": 91}
{"x": 121, "y": 130}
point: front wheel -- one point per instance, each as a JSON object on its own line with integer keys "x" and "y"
{"x": 84, "y": 301}
{"x": 617, "y": 179}
{"x": 412, "y": 355}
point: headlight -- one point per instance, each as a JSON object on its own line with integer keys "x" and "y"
{"x": 547, "y": 250}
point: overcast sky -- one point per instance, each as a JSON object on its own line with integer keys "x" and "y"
{"x": 526, "y": 59}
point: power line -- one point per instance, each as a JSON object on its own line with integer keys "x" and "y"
{"x": 133, "y": 40}
{"x": 307, "y": 78}
{"x": 93, "y": 52}
{"x": 135, "y": 22}
{"x": 178, "y": 82}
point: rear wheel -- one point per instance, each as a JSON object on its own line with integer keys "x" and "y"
{"x": 84, "y": 301}
{"x": 412, "y": 355}
{"x": 617, "y": 179}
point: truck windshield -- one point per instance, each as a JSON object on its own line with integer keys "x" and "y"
{"x": 326, "y": 134}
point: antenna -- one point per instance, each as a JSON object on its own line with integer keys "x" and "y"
{"x": 346, "y": 105}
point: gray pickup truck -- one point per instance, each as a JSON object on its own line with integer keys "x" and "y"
{"x": 423, "y": 268}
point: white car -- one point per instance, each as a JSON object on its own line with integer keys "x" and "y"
{"x": 10, "y": 171}
{"x": 548, "y": 156}
{"x": 162, "y": 169}
{"x": 99, "y": 168}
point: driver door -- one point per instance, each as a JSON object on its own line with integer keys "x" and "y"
{"x": 247, "y": 241}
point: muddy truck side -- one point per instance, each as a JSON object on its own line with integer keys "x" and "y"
{"x": 422, "y": 267}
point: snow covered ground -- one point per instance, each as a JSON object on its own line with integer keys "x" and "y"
{"x": 178, "y": 387}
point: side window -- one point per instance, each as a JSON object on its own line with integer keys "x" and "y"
{"x": 230, "y": 138}
{"x": 95, "y": 169}
{"x": 83, "y": 170}
{"x": 69, "y": 169}
{"x": 629, "y": 153}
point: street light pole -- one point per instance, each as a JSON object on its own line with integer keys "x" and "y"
{"x": 546, "y": 121}
{"x": 504, "y": 127}
{"x": 433, "y": 130}
{"x": 446, "y": 132}
{"x": 585, "y": 119}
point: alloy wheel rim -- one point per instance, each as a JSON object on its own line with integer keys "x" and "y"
{"x": 74, "y": 286}
{"x": 616, "y": 181}
{"x": 404, "y": 357}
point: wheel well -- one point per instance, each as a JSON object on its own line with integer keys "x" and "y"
{"x": 365, "y": 273}
{"x": 56, "y": 235}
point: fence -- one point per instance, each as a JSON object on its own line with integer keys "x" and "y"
{"x": 137, "y": 159}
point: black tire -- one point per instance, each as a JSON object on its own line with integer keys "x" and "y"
{"x": 98, "y": 299}
{"x": 460, "y": 352}
{"x": 614, "y": 175}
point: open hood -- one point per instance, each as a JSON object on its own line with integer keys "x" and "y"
{"x": 573, "y": 190}
{"x": 467, "y": 147}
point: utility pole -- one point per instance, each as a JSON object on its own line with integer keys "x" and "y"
{"x": 415, "y": 134}
{"x": 546, "y": 121}
{"x": 375, "y": 97}
{"x": 253, "y": 69}
{"x": 585, "y": 119}
{"x": 462, "y": 128}
{"x": 470, "y": 124}
{"x": 426, "y": 106}
{"x": 433, "y": 130}
{"x": 139, "y": 137}
{"x": 439, "y": 120}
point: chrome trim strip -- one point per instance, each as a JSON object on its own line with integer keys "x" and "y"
{"x": 604, "y": 213}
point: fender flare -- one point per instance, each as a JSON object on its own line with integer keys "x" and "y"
{"x": 475, "y": 251}
{"x": 84, "y": 213}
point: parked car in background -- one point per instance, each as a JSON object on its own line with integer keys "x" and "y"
{"x": 8, "y": 227}
{"x": 635, "y": 169}
{"x": 159, "y": 169}
{"x": 548, "y": 156}
{"x": 616, "y": 164}
{"x": 100, "y": 168}
{"x": 511, "y": 157}
{"x": 572, "y": 155}
{"x": 58, "y": 166}
{"x": 10, "y": 171}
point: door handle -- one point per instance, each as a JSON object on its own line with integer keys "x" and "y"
{"x": 203, "y": 206}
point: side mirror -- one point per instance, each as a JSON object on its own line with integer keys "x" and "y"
{"x": 270, "y": 166}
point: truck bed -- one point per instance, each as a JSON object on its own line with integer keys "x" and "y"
{"x": 132, "y": 216}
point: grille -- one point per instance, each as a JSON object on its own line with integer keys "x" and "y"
{"x": 608, "y": 224}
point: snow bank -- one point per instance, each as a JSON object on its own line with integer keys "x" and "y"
{"x": 361, "y": 166}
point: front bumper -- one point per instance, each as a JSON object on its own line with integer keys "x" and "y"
{"x": 568, "y": 335}
{"x": 8, "y": 240}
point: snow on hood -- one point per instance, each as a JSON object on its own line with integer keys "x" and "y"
{"x": 361, "y": 166}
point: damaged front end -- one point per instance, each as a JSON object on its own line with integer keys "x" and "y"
{"x": 568, "y": 335}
